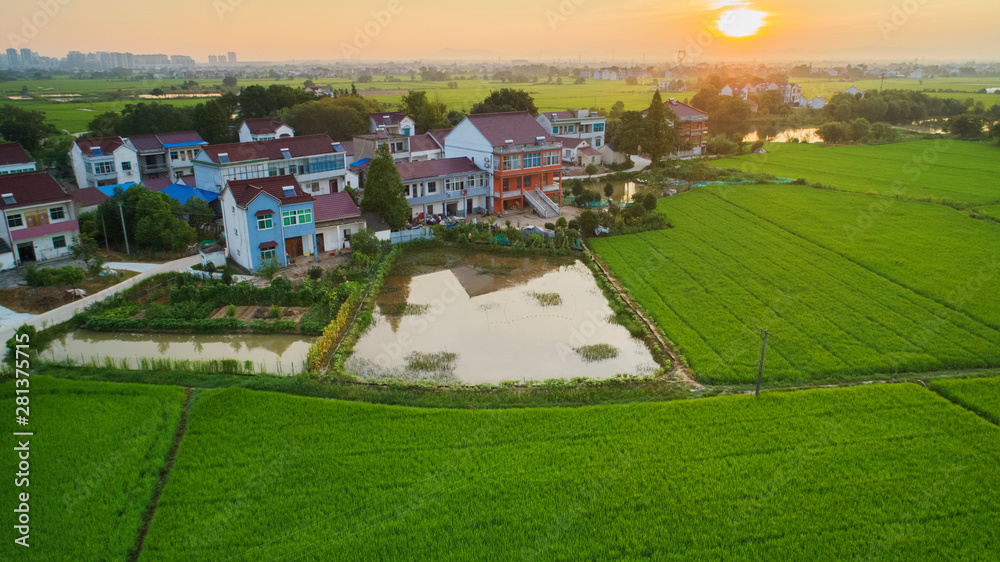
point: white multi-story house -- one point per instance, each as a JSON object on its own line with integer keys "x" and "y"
{"x": 14, "y": 160}
{"x": 392, "y": 122}
{"x": 39, "y": 219}
{"x": 104, "y": 161}
{"x": 264, "y": 128}
{"x": 366, "y": 146}
{"x": 449, "y": 186}
{"x": 425, "y": 147}
{"x": 166, "y": 155}
{"x": 524, "y": 160}
{"x": 318, "y": 164}
{"x": 578, "y": 124}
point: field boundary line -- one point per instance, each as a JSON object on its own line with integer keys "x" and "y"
{"x": 979, "y": 412}
{"x": 164, "y": 476}
{"x": 680, "y": 368}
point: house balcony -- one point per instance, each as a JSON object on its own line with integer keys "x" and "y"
{"x": 42, "y": 230}
{"x": 96, "y": 177}
{"x": 509, "y": 194}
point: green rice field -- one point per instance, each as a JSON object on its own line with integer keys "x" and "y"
{"x": 846, "y": 292}
{"x": 982, "y": 396}
{"x": 95, "y": 459}
{"x": 964, "y": 87}
{"x": 943, "y": 169}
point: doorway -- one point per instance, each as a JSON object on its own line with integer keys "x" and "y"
{"x": 293, "y": 246}
{"x": 26, "y": 252}
{"x": 320, "y": 246}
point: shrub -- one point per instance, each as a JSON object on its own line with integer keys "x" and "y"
{"x": 315, "y": 272}
{"x": 561, "y": 222}
{"x": 573, "y": 225}
{"x": 231, "y": 310}
{"x": 274, "y": 311}
{"x": 550, "y": 226}
{"x": 589, "y": 221}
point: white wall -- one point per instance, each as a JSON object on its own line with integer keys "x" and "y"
{"x": 237, "y": 233}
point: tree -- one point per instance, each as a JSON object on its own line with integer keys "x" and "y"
{"x": 834, "y": 132}
{"x": 108, "y": 124}
{"x": 629, "y": 132}
{"x": 609, "y": 190}
{"x": 85, "y": 248}
{"x": 426, "y": 114}
{"x": 882, "y": 132}
{"x": 967, "y": 126}
{"x": 455, "y": 117}
{"x": 70, "y": 275}
{"x": 616, "y": 110}
{"x": 590, "y": 169}
{"x": 27, "y": 127}
{"x": 212, "y": 119}
{"x": 859, "y": 128}
{"x": 257, "y": 101}
{"x": 649, "y": 202}
{"x": 661, "y": 136}
{"x": 229, "y": 81}
{"x": 719, "y": 144}
{"x": 589, "y": 221}
{"x": 730, "y": 118}
{"x": 383, "y": 192}
{"x": 707, "y": 99}
{"x": 151, "y": 118}
{"x": 506, "y": 99}
{"x": 158, "y": 228}
{"x": 197, "y": 210}
{"x": 157, "y": 92}
{"x": 342, "y": 117}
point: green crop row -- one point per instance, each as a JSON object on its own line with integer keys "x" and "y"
{"x": 885, "y": 471}
{"x": 722, "y": 274}
{"x": 979, "y": 395}
{"x": 196, "y": 325}
{"x": 95, "y": 459}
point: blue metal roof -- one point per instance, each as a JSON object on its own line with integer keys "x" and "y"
{"x": 181, "y": 144}
{"x": 360, "y": 162}
{"x": 182, "y": 193}
{"x": 109, "y": 190}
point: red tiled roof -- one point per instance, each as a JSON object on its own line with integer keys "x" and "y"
{"x": 438, "y": 135}
{"x": 156, "y": 184}
{"x": 31, "y": 188}
{"x": 394, "y": 117}
{"x": 244, "y": 191}
{"x": 518, "y": 126}
{"x": 680, "y": 109}
{"x": 45, "y": 230}
{"x": 12, "y": 153}
{"x": 268, "y": 245}
{"x": 307, "y": 145}
{"x": 348, "y": 147}
{"x": 88, "y": 197}
{"x": 333, "y": 206}
{"x": 263, "y": 125}
{"x": 560, "y": 114}
{"x": 107, "y": 144}
{"x": 409, "y": 171}
{"x": 421, "y": 143}
{"x": 588, "y": 151}
{"x": 569, "y": 142}
{"x": 187, "y": 180}
{"x": 144, "y": 143}
{"x": 178, "y": 137}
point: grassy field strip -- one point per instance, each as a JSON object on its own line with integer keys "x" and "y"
{"x": 981, "y": 396}
{"x": 904, "y": 242}
{"x": 888, "y": 470}
{"x": 876, "y": 311}
{"x": 96, "y": 456}
{"x": 723, "y": 273}
{"x": 964, "y": 172}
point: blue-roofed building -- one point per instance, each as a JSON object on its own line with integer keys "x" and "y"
{"x": 265, "y": 218}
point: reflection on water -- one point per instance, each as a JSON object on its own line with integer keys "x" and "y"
{"x": 276, "y": 353}
{"x": 931, "y": 126}
{"x": 624, "y": 190}
{"x": 487, "y": 311}
{"x": 803, "y": 135}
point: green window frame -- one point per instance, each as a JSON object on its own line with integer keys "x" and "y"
{"x": 265, "y": 222}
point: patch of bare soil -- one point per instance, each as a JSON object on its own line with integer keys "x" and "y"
{"x": 36, "y": 300}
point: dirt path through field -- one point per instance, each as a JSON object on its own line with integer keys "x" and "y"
{"x": 680, "y": 371}
{"x": 164, "y": 476}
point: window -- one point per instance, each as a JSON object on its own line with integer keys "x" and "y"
{"x": 59, "y": 242}
{"x": 57, "y": 213}
{"x": 597, "y": 142}
{"x": 406, "y": 131}
{"x": 552, "y": 157}
{"x": 268, "y": 254}
{"x": 598, "y": 127}
{"x": 14, "y": 221}
{"x": 347, "y": 234}
{"x": 36, "y": 218}
{"x": 431, "y": 187}
{"x": 299, "y": 216}
{"x": 555, "y": 130}
{"x": 264, "y": 222}
{"x": 506, "y": 184}
{"x": 454, "y": 184}
{"x": 104, "y": 168}
{"x": 533, "y": 160}
{"x": 126, "y": 166}
{"x": 173, "y": 155}
{"x": 472, "y": 182}
{"x": 569, "y": 128}
{"x": 512, "y": 162}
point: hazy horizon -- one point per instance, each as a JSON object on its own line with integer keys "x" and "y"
{"x": 624, "y": 32}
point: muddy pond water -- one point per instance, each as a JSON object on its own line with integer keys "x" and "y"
{"x": 274, "y": 353}
{"x": 474, "y": 318}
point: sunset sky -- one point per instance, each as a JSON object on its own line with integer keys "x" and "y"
{"x": 619, "y": 30}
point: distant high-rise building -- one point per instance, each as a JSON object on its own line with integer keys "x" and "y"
{"x": 26, "y": 58}
{"x": 212, "y": 59}
{"x": 76, "y": 59}
{"x": 232, "y": 57}
{"x": 222, "y": 59}
{"x": 13, "y": 60}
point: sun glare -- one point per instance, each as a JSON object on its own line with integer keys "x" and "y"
{"x": 741, "y": 22}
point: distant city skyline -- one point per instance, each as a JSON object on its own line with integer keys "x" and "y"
{"x": 625, "y": 31}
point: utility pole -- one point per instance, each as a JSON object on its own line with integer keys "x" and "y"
{"x": 125, "y": 232}
{"x": 760, "y": 370}
{"x": 105, "y": 227}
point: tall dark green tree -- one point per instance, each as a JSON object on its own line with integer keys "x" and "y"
{"x": 342, "y": 117}
{"x": 426, "y": 114}
{"x": 384, "y": 190}
{"x": 213, "y": 119}
{"x": 629, "y": 132}
{"x": 149, "y": 118}
{"x": 27, "y": 127}
{"x": 662, "y": 136}
{"x": 506, "y": 99}
{"x": 108, "y": 124}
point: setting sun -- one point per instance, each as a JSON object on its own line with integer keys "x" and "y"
{"x": 741, "y": 22}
